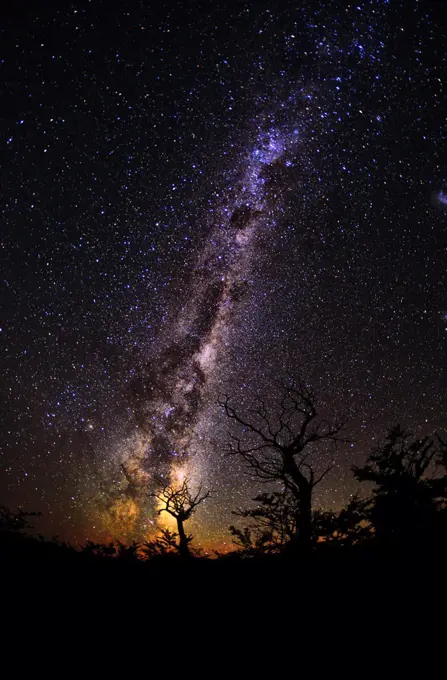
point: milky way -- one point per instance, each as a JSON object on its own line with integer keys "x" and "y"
{"x": 197, "y": 201}
{"x": 170, "y": 398}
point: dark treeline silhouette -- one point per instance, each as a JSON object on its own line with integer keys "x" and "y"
{"x": 400, "y": 509}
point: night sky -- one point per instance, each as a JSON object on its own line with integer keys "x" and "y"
{"x": 199, "y": 199}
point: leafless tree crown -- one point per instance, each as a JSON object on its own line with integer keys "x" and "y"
{"x": 276, "y": 443}
{"x": 180, "y": 502}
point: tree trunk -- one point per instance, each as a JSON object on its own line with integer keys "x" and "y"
{"x": 304, "y": 521}
{"x": 183, "y": 541}
{"x": 302, "y": 491}
{"x": 301, "y": 543}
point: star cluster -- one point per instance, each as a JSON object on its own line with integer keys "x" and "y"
{"x": 197, "y": 199}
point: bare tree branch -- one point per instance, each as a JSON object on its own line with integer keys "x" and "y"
{"x": 180, "y": 503}
{"x": 276, "y": 444}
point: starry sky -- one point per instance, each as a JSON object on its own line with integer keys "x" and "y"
{"x": 197, "y": 199}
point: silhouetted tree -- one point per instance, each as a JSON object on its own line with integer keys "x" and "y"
{"x": 180, "y": 503}
{"x": 15, "y": 521}
{"x": 128, "y": 553}
{"x": 346, "y": 528}
{"x": 117, "y": 551}
{"x": 162, "y": 545}
{"x": 13, "y": 535}
{"x": 272, "y": 524}
{"x": 410, "y": 493}
{"x": 277, "y": 445}
{"x": 99, "y": 550}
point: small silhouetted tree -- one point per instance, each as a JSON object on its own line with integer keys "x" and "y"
{"x": 128, "y": 553}
{"x": 277, "y": 445}
{"x": 15, "y": 521}
{"x": 272, "y": 524}
{"x": 410, "y": 491}
{"x": 180, "y": 503}
{"x": 111, "y": 551}
{"x": 13, "y": 530}
{"x": 348, "y": 527}
{"x": 163, "y": 545}
{"x": 98, "y": 550}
